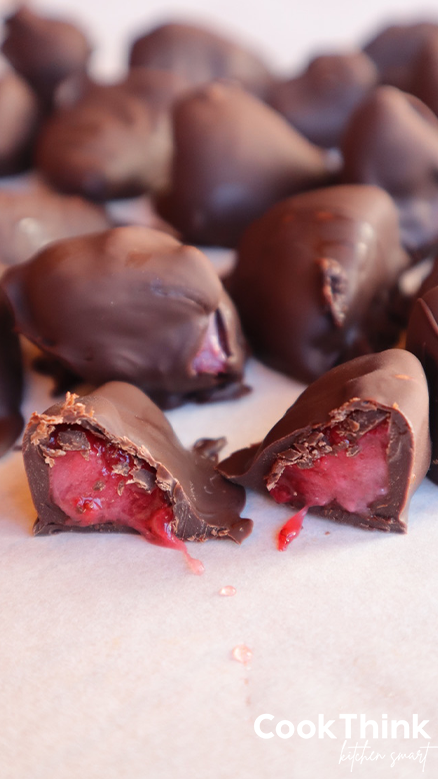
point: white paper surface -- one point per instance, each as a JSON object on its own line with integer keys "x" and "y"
{"x": 116, "y": 662}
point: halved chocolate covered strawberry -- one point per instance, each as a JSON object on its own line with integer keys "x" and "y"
{"x": 111, "y": 461}
{"x": 353, "y": 447}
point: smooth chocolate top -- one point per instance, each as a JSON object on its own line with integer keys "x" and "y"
{"x": 392, "y": 381}
{"x": 44, "y": 50}
{"x": 392, "y": 141}
{"x": 130, "y": 304}
{"x": 314, "y": 279}
{"x": 319, "y": 102}
{"x": 11, "y": 380}
{"x": 199, "y": 56}
{"x": 395, "y": 50}
{"x": 36, "y": 216}
{"x": 234, "y": 157}
{"x": 204, "y": 504}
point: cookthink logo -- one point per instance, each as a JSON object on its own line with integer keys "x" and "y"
{"x": 358, "y": 734}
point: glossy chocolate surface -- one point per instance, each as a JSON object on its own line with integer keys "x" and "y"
{"x": 234, "y": 157}
{"x": 19, "y": 118}
{"x": 395, "y": 50}
{"x": 132, "y": 304}
{"x": 355, "y": 395}
{"x": 100, "y": 151}
{"x": 37, "y": 215}
{"x": 11, "y": 380}
{"x": 199, "y": 56}
{"x": 110, "y": 141}
{"x": 44, "y": 50}
{"x": 315, "y": 276}
{"x": 424, "y": 82}
{"x": 318, "y": 103}
{"x": 204, "y": 504}
{"x": 392, "y": 141}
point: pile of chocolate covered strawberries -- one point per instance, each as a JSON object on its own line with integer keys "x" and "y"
{"x": 327, "y": 186}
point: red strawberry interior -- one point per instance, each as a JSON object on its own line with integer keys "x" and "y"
{"x": 337, "y": 465}
{"x": 213, "y": 354}
{"x": 94, "y": 481}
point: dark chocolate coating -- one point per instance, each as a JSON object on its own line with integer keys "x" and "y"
{"x": 392, "y": 382}
{"x": 429, "y": 282}
{"x": 204, "y": 504}
{"x": 19, "y": 118}
{"x": 392, "y": 141}
{"x": 199, "y": 56}
{"x": 114, "y": 141}
{"x": 314, "y": 278}
{"x": 234, "y": 157}
{"x": 36, "y": 216}
{"x": 130, "y": 304}
{"x": 424, "y": 82}
{"x": 319, "y": 102}
{"x": 422, "y": 340}
{"x": 11, "y": 380}
{"x": 395, "y": 50}
{"x": 44, "y": 50}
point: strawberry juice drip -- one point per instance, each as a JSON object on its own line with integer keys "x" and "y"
{"x": 95, "y": 485}
{"x": 352, "y": 477}
{"x": 291, "y": 529}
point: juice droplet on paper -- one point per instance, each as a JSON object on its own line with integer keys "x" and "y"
{"x": 195, "y": 566}
{"x": 227, "y": 591}
{"x": 242, "y": 654}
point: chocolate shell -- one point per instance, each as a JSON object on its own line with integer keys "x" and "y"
{"x": 319, "y": 102}
{"x": 113, "y": 141}
{"x": 315, "y": 277}
{"x": 203, "y": 503}
{"x": 424, "y": 82}
{"x": 199, "y": 56}
{"x": 132, "y": 304}
{"x": 44, "y": 50}
{"x": 352, "y": 399}
{"x": 395, "y": 50}
{"x": 19, "y": 119}
{"x": 234, "y": 157}
{"x": 422, "y": 340}
{"x": 11, "y": 380}
{"x": 392, "y": 141}
{"x": 32, "y": 218}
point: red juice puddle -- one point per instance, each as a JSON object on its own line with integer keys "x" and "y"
{"x": 353, "y": 477}
{"x": 291, "y": 529}
{"x": 95, "y": 484}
